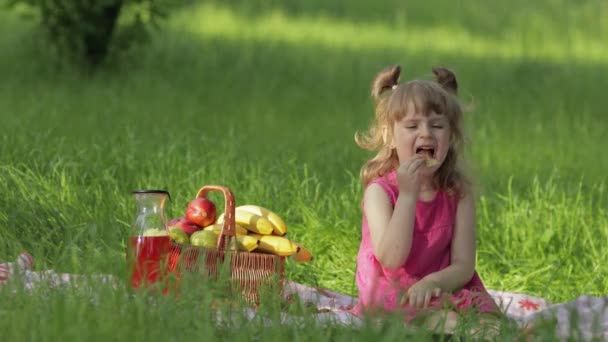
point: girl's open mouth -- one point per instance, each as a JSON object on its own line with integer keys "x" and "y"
{"x": 425, "y": 151}
{"x": 428, "y": 153}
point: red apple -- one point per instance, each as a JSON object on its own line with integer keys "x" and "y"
{"x": 201, "y": 211}
{"x": 184, "y": 224}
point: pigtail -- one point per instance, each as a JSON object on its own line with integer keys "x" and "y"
{"x": 447, "y": 79}
{"x": 385, "y": 80}
{"x": 378, "y": 136}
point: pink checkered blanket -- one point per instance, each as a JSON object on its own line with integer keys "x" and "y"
{"x": 588, "y": 313}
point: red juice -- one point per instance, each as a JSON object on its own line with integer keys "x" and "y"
{"x": 148, "y": 259}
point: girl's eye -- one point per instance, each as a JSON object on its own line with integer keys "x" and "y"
{"x": 410, "y": 127}
{"x": 437, "y": 126}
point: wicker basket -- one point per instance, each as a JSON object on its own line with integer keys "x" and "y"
{"x": 249, "y": 272}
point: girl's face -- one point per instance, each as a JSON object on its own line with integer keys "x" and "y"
{"x": 420, "y": 134}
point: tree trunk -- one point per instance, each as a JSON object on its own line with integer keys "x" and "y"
{"x": 101, "y": 23}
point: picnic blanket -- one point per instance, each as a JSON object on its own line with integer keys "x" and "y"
{"x": 585, "y": 316}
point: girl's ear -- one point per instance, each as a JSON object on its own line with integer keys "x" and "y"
{"x": 447, "y": 79}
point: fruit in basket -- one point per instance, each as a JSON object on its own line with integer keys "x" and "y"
{"x": 178, "y": 235}
{"x": 155, "y": 232}
{"x": 204, "y": 238}
{"x": 247, "y": 243}
{"x": 278, "y": 225}
{"x": 303, "y": 254}
{"x": 251, "y": 222}
{"x": 276, "y": 245}
{"x": 184, "y": 224}
{"x": 201, "y": 211}
{"x": 217, "y": 227}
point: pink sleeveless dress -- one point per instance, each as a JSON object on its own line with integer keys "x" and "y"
{"x": 381, "y": 288}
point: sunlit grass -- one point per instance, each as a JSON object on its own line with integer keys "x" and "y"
{"x": 519, "y": 41}
{"x": 265, "y": 98}
{"x": 550, "y": 234}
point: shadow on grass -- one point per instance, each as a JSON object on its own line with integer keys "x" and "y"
{"x": 317, "y": 96}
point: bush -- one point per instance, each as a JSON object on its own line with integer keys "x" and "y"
{"x": 84, "y": 30}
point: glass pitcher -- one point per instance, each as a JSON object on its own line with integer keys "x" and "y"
{"x": 148, "y": 243}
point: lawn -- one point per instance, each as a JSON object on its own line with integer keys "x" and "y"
{"x": 265, "y": 98}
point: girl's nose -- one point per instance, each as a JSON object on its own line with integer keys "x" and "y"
{"x": 425, "y": 130}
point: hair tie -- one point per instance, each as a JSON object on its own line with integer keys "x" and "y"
{"x": 394, "y": 86}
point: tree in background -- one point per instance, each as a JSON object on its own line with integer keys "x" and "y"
{"x": 85, "y": 30}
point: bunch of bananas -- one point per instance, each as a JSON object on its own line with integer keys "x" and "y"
{"x": 269, "y": 230}
{"x": 257, "y": 230}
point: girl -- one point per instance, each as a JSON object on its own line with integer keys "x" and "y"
{"x": 417, "y": 252}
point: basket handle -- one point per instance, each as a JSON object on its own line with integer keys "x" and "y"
{"x": 228, "y": 228}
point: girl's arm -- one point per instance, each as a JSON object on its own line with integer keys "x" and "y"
{"x": 390, "y": 230}
{"x": 462, "y": 266}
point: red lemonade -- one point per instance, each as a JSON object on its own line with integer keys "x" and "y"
{"x": 149, "y": 256}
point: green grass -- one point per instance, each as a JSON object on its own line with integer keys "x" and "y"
{"x": 265, "y": 98}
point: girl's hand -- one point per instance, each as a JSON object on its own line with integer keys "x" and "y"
{"x": 408, "y": 175}
{"x": 421, "y": 293}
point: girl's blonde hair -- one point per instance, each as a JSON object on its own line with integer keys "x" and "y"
{"x": 392, "y": 100}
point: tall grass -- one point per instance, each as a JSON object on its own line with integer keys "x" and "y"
{"x": 265, "y": 97}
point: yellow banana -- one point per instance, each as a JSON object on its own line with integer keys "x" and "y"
{"x": 276, "y": 244}
{"x": 217, "y": 227}
{"x": 247, "y": 242}
{"x": 302, "y": 255}
{"x": 251, "y": 222}
{"x": 278, "y": 225}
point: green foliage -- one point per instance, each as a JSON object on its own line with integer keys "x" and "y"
{"x": 86, "y": 31}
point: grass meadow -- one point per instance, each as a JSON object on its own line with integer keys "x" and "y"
{"x": 265, "y": 97}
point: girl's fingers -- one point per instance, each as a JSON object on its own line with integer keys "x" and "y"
{"x": 427, "y": 299}
{"x": 420, "y": 300}
{"x": 412, "y": 299}
{"x": 415, "y": 164}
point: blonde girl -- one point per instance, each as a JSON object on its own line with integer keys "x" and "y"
{"x": 417, "y": 253}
